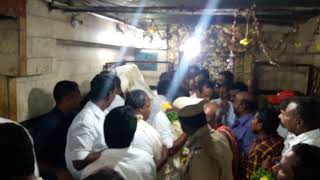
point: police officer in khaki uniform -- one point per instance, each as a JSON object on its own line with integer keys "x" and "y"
{"x": 210, "y": 155}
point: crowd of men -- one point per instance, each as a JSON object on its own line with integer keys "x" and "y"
{"x": 114, "y": 133}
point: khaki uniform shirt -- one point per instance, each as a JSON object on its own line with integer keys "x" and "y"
{"x": 210, "y": 156}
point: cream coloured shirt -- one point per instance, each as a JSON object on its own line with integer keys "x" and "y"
{"x": 130, "y": 163}
{"x": 161, "y": 123}
{"x": 148, "y": 139}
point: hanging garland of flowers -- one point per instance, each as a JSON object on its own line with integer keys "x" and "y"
{"x": 312, "y": 39}
{"x": 233, "y": 41}
{"x": 288, "y": 38}
{"x": 264, "y": 47}
{"x": 223, "y": 43}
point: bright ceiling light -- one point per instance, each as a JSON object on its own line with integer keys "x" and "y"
{"x": 191, "y": 48}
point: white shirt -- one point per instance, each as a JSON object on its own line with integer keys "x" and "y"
{"x": 162, "y": 99}
{"x": 290, "y": 136}
{"x": 161, "y": 123}
{"x": 36, "y": 168}
{"x": 85, "y": 135}
{"x": 311, "y": 137}
{"x": 130, "y": 163}
{"x": 283, "y": 132}
{"x": 231, "y": 116}
{"x": 156, "y": 104}
{"x": 117, "y": 102}
{"x": 148, "y": 139}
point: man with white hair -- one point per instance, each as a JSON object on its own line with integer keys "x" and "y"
{"x": 132, "y": 79}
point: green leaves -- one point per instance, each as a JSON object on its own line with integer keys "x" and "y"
{"x": 172, "y": 116}
{"x": 261, "y": 174}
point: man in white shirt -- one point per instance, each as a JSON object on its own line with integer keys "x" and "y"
{"x": 161, "y": 123}
{"x": 301, "y": 118}
{"x": 227, "y": 110}
{"x": 282, "y": 131}
{"x": 85, "y": 139}
{"x": 131, "y": 163}
{"x": 146, "y": 137}
{"x": 159, "y": 120}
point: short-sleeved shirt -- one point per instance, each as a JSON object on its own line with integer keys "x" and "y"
{"x": 130, "y": 163}
{"x": 210, "y": 156}
{"x": 85, "y": 136}
{"x": 243, "y": 132}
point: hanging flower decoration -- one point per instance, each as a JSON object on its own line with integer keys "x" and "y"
{"x": 233, "y": 30}
{"x": 298, "y": 44}
{"x": 263, "y": 45}
{"x": 220, "y": 41}
{"x": 153, "y": 30}
{"x": 246, "y": 41}
{"x": 287, "y": 39}
{"x": 312, "y": 39}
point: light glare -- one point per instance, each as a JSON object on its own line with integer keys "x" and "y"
{"x": 191, "y": 48}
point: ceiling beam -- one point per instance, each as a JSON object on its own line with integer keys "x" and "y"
{"x": 225, "y": 19}
{"x": 225, "y": 4}
{"x": 268, "y": 15}
{"x": 181, "y": 10}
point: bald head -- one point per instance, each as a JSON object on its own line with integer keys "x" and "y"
{"x": 244, "y": 103}
{"x": 210, "y": 109}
